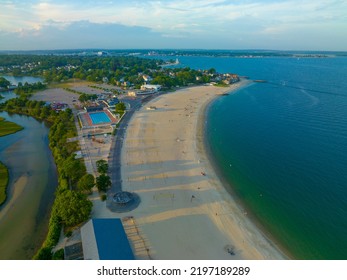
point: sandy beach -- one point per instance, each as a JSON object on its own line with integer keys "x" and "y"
{"x": 185, "y": 212}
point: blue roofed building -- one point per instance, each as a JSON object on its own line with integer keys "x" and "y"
{"x": 105, "y": 239}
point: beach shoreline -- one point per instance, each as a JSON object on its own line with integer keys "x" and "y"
{"x": 204, "y": 148}
{"x": 185, "y": 211}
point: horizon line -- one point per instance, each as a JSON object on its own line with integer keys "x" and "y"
{"x": 170, "y": 49}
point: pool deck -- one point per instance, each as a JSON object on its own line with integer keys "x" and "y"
{"x": 87, "y": 120}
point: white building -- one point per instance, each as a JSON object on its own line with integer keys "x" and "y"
{"x": 132, "y": 93}
{"x": 154, "y": 88}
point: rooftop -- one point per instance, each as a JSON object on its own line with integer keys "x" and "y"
{"x": 105, "y": 239}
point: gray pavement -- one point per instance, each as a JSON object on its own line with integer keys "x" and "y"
{"x": 115, "y": 157}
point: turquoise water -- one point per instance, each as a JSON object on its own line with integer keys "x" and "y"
{"x": 282, "y": 146}
{"x": 99, "y": 117}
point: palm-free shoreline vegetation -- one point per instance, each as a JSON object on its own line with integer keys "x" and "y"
{"x": 71, "y": 206}
{"x": 3, "y": 182}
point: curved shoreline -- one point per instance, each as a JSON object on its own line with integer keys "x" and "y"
{"x": 205, "y": 150}
{"x": 185, "y": 211}
{"x": 249, "y": 223}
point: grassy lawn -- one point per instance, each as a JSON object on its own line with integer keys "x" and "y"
{"x": 3, "y": 182}
{"x": 70, "y": 83}
{"x": 221, "y": 85}
{"x": 8, "y": 127}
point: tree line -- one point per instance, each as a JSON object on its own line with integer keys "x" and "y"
{"x": 61, "y": 68}
{"x": 4, "y": 83}
{"x": 94, "y": 69}
{"x": 29, "y": 88}
{"x": 71, "y": 206}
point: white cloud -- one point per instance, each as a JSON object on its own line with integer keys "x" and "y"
{"x": 181, "y": 18}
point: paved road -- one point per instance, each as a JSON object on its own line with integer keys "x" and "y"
{"x": 116, "y": 145}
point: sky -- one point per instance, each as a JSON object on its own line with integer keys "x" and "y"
{"x": 174, "y": 24}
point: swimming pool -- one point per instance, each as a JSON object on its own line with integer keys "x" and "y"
{"x": 99, "y": 117}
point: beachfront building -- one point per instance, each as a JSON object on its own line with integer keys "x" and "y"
{"x": 153, "y": 88}
{"x": 230, "y": 78}
{"x": 132, "y": 93}
{"x": 93, "y": 108}
{"x": 110, "y": 103}
{"x": 105, "y": 239}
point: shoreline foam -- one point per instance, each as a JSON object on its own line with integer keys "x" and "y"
{"x": 185, "y": 212}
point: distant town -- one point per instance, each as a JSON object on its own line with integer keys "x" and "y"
{"x": 128, "y": 73}
{"x": 181, "y": 53}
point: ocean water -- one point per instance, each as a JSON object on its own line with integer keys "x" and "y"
{"x": 282, "y": 146}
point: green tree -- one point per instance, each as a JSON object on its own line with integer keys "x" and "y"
{"x": 120, "y": 108}
{"x": 85, "y": 97}
{"x": 58, "y": 255}
{"x": 4, "y": 83}
{"x": 103, "y": 182}
{"x": 212, "y": 71}
{"x": 163, "y": 80}
{"x": 102, "y": 166}
{"x": 86, "y": 183}
{"x": 16, "y": 72}
{"x": 44, "y": 254}
{"x": 73, "y": 169}
{"x": 72, "y": 208}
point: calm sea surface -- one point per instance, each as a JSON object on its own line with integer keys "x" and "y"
{"x": 282, "y": 145}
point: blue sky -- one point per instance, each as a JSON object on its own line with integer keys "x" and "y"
{"x": 185, "y": 24}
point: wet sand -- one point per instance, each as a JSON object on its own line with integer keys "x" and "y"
{"x": 18, "y": 188}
